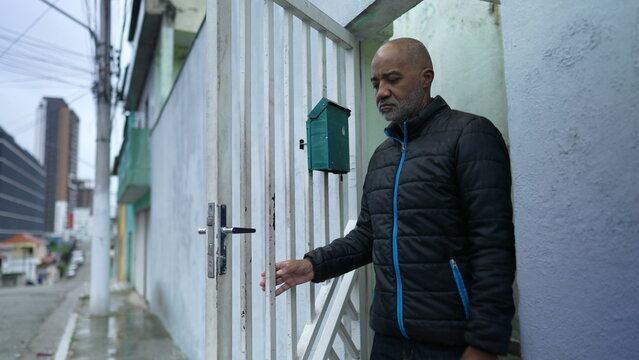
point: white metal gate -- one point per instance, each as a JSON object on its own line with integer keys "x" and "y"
{"x": 270, "y": 62}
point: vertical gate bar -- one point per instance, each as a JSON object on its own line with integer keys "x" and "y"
{"x": 289, "y": 180}
{"x": 308, "y": 186}
{"x": 269, "y": 183}
{"x": 246, "y": 285}
{"x": 355, "y": 176}
{"x": 218, "y": 290}
{"x": 341, "y": 98}
{"x": 355, "y": 83}
{"x": 325, "y": 194}
{"x": 211, "y": 170}
{"x": 334, "y": 217}
{"x": 323, "y": 57}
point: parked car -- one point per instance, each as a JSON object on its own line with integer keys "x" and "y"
{"x": 77, "y": 257}
{"x": 71, "y": 270}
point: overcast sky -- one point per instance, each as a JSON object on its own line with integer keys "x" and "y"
{"x": 43, "y": 53}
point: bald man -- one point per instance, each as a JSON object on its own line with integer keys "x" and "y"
{"x": 435, "y": 220}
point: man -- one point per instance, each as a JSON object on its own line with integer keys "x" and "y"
{"x": 435, "y": 220}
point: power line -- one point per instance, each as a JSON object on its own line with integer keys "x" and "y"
{"x": 45, "y": 77}
{"x": 33, "y": 123}
{"x": 38, "y": 43}
{"x": 25, "y": 31}
{"x": 46, "y": 56}
{"x": 45, "y": 61}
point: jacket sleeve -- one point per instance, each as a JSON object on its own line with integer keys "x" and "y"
{"x": 345, "y": 254}
{"x": 484, "y": 182}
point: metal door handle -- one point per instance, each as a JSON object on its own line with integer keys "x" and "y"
{"x": 218, "y": 257}
{"x": 237, "y": 230}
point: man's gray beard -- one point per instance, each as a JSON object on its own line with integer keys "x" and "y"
{"x": 405, "y": 108}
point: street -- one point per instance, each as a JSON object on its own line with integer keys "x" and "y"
{"x": 33, "y": 318}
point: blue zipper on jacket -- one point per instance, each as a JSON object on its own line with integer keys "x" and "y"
{"x": 461, "y": 287}
{"x": 398, "y": 276}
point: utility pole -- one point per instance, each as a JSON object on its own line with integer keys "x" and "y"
{"x": 100, "y": 249}
{"x": 100, "y": 244}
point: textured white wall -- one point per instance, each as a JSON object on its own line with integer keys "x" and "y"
{"x": 465, "y": 44}
{"x": 176, "y": 253}
{"x": 572, "y": 78}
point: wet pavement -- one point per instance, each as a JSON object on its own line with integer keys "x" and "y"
{"x": 33, "y": 318}
{"x": 129, "y": 332}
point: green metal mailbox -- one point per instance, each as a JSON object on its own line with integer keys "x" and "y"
{"x": 327, "y": 137}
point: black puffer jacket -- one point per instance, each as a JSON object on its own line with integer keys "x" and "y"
{"x": 436, "y": 220}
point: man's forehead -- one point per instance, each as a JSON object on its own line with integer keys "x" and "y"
{"x": 387, "y": 63}
{"x": 391, "y": 57}
{"x": 403, "y": 54}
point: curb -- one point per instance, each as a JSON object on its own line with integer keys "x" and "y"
{"x": 63, "y": 347}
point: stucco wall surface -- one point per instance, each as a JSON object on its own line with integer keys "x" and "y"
{"x": 572, "y": 78}
{"x": 176, "y": 253}
{"x": 465, "y": 45}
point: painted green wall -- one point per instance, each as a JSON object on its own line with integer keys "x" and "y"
{"x": 464, "y": 39}
{"x": 375, "y": 123}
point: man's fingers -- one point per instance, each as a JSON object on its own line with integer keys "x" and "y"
{"x": 282, "y": 289}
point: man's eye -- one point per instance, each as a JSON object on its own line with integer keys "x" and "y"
{"x": 375, "y": 86}
{"x": 393, "y": 80}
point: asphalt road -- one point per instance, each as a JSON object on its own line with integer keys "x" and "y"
{"x": 33, "y": 318}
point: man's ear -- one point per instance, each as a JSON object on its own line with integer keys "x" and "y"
{"x": 427, "y": 75}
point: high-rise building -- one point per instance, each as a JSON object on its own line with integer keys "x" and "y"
{"x": 82, "y": 219}
{"x": 83, "y": 194}
{"x": 58, "y": 150}
{"x": 22, "y": 190}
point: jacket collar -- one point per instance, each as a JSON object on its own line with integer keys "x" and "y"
{"x": 416, "y": 123}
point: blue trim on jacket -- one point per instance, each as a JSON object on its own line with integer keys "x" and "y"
{"x": 398, "y": 276}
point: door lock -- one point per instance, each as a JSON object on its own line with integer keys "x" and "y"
{"x": 218, "y": 213}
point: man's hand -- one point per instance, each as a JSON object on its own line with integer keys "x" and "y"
{"x": 290, "y": 273}
{"x": 472, "y": 353}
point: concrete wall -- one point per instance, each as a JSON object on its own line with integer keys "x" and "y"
{"x": 465, "y": 44}
{"x": 176, "y": 254}
{"x": 572, "y": 78}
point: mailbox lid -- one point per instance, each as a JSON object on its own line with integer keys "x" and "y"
{"x": 321, "y": 106}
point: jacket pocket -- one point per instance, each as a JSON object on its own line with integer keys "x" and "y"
{"x": 461, "y": 287}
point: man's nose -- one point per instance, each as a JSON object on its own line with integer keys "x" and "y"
{"x": 382, "y": 93}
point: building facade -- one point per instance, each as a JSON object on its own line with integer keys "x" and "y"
{"x": 81, "y": 221}
{"x": 57, "y": 150}
{"x": 23, "y": 253}
{"x": 22, "y": 190}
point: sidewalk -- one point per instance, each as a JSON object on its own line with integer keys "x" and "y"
{"x": 130, "y": 331}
